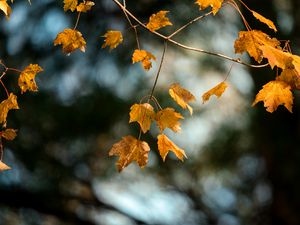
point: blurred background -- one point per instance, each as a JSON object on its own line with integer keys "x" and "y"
{"x": 243, "y": 162}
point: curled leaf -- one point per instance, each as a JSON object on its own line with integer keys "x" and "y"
{"x": 6, "y": 105}
{"x": 3, "y": 166}
{"x": 217, "y": 91}
{"x": 5, "y": 8}
{"x": 168, "y": 118}
{"x": 9, "y": 134}
{"x": 130, "y": 149}
{"x": 85, "y": 6}
{"x": 26, "y": 79}
{"x": 143, "y": 114}
{"x": 181, "y": 96}
{"x": 165, "y": 145}
{"x": 70, "y": 5}
{"x": 112, "y": 39}
{"x": 158, "y": 20}
{"x": 214, "y": 4}
{"x": 264, "y": 20}
{"x": 70, "y": 40}
{"x": 144, "y": 57}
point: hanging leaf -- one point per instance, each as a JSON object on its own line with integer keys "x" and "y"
{"x": 85, "y": 6}
{"x": 181, "y": 96}
{"x": 26, "y": 79}
{"x": 158, "y": 21}
{"x": 130, "y": 149}
{"x": 6, "y": 105}
{"x": 144, "y": 57}
{"x": 3, "y": 166}
{"x": 264, "y": 20}
{"x": 70, "y": 40}
{"x": 168, "y": 118}
{"x": 217, "y": 91}
{"x": 9, "y": 134}
{"x": 273, "y": 94}
{"x": 276, "y": 57}
{"x": 143, "y": 114}
{"x": 112, "y": 39}
{"x": 70, "y": 5}
{"x": 291, "y": 77}
{"x": 165, "y": 145}
{"x": 214, "y": 4}
{"x": 4, "y": 7}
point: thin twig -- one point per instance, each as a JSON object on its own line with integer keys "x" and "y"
{"x": 77, "y": 21}
{"x": 7, "y": 93}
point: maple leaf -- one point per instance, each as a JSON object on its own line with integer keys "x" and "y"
{"x": 158, "y": 20}
{"x": 251, "y": 41}
{"x": 3, "y": 166}
{"x": 264, "y": 20}
{"x": 70, "y": 5}
{"x": 112, "y": 39}
{"x": 144, "y": 57}
{"x": 168, "y": 118}
{"x": 181, "y": 96}
{"x": 26, "y": 79}
{"x": 4, "y": 7}
{"x": 165, "y": 145}
{"x": 143, "y": 114}
{"x": 70, "y": 40}
{"x": 214, "y": 4}
{"x": 6, "y": 105}
{"x": 277, "y": 57}
{"x": 291, "y": 77}
{"x": 130, "y": 149}
{"x": 217, "y": 91}
{"x": 273, "y": 94}
{"x": 85, "y": 6}
{"x": 9, "y": 134}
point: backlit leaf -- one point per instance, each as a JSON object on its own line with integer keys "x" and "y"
{"x": 217, "y": 91}
{"x": 70, "y": 40}
{"x": 9, "y": 134}
{"x": 165, "y": 145}
{"x": 264, "y": 20}
{"x": 275, "y": 93}
{"x": 291, "y": 77}
{"x": 26, "y": 79}
{"x": 251, "y": 42}
{"x": 70, "y": 5}
{"x": 3, "y": 166}
{"x": 214, "y": 4}
{"x": 112, "y": 39}
{"x": 158, "y": 21}
{"x": 130, "y": 149}
{"x": 144, "y": 57}
{"x": 6, "y": 105}
{"x": 4, "y": 7}
{"x": 277, "y": 57}
{"x": 143, "y": 114}
{"x": 85, "y": 6}
{"x": 168, "y": 118}
{"x": 181, "y": 96}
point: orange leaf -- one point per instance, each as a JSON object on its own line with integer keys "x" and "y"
{"x": 158, "y": 21}
{"x": 291, "y": 77}
{"x": 112, "y": 39}
{"x": 217, "y": 91}
{"x": 165, "y": 145}
{"x": 70, "y": 40}
{"x": 214, "y": 4}
{"x": 4, "y": 7}
{"x": 277, "y": 57}
{"x": 251, "y": 41}
{"x": 264, "y": 20}
{"x": 70, "y": 5}
{"x": 9, "y": 134}
{"x": 143, "y": 114}
{"x": 168, "y": 118}
{"x": 144, "y": 57}
{"x": 3, "y": 166}
{"x": 26, "y": 79}
{"x": 130, "y": 149}
{"x": 85, "y": 6}
{"x": 6, "y": 105}
{"x": 273, "y": 94}
{"x": 181, "y": 96}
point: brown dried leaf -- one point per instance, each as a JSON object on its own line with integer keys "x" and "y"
{"x": 6, "y": 105}
{"x": 9, "y": 134}
{"x": 26, "y": 79}
{"x": 158, "y": 21}
{"x": 217, "y": 91}
{"x": 143, "y": 114}
{"x": 168, "y": 118}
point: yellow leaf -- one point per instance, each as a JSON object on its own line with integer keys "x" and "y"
{"x": 9, "y": 134}
{"x": 144, "y": 57}
{"x": 277, "y": 57}
{"x": 165, "y": 145}
{"x": 85, "y": 6}
{"x": 264, "y": 20}
{"x": 70, "y": 5}
{"x": 112, "y": 39}
{"x": 130, "y": 149}
{"x": 168, "y": 118}
{"x": 3, "y": 166}
{"x": 251, "y": 41}
{"x": 214, "y": 4}
{"x": 6, "y": 105}
{"x": 26, "y": 79}
{"x": 4, "y": 7}
{"x": 217, "y": 91}
{"x": 291, "y": 77}
{"x": 181, "y": 96}
{"x": 143, "y": 114}
{"x": 275, "y": 93}
{"x": 158, "y": 21}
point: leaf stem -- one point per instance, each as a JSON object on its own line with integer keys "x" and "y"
{"x": 77, "y": 21}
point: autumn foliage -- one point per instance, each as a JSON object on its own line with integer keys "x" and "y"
{"x": 260, "y": 46}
